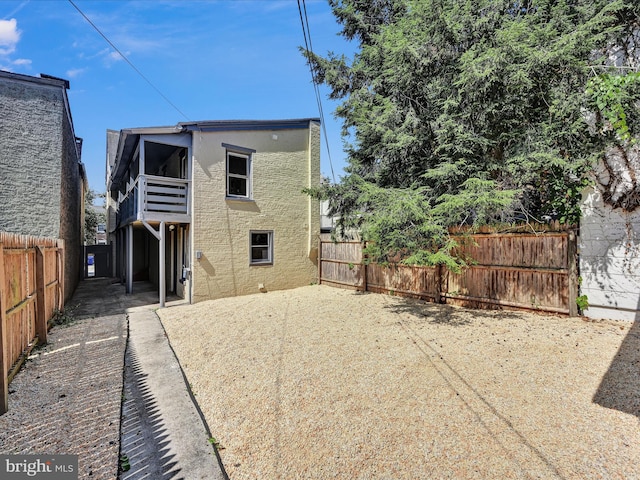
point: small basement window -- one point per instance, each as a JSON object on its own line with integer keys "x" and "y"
{"x": 238, "y": 175}
{"x": 261, "y": 247}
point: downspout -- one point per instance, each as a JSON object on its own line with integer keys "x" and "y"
{"x": 161, "y": 258}
{"x": 191, "y": 211}
{"x": 309, "y": 199}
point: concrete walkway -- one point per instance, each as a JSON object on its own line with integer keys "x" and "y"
{"x": 71, "y": 397}
{"x": 163, "y": 434}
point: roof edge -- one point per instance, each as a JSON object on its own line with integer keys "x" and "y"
{"x": 43, "y": 79}
{"x": 222, "y": 125}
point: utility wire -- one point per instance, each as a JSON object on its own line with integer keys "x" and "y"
{"x": 307, "y": 33}
{"x": 129, "y": 61}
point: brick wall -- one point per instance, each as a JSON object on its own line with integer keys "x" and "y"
{"x": 71, "y": 210}
{"x": 30, "y": 158}
{"x": 41, "y": 184}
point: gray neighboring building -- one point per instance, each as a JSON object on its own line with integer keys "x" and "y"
{"x": 42, "y": 178}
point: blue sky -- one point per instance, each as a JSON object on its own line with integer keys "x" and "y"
{"x": 214, "y": 60}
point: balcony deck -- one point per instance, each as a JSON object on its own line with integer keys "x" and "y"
{"x": 155, "y": 199}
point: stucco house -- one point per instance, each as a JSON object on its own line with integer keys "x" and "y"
{"x": 214, "y": 209}
{"x": 42, "y": 178}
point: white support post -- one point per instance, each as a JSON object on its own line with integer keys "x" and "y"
{"x": 121, "y": 257}
{"x": 162, "y": 280}
{"x": 191, "y": 259}
{"x": 141, "y": 166}
{"x": 161, "y": 237}
{"x": 189, "y": 179}
{"x": 142, "y": 194}
{"x": 125, "y": 259}
{"x": 129, "y": 258}
{"x": 172, "y": 261}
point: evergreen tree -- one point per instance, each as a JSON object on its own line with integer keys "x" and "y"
{"x": 464, "y": 112}
{"x": 92, "y": 218}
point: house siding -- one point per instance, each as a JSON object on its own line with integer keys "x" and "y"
{"x": 282, "y": 167}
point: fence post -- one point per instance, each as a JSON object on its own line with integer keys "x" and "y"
{"x": 572, "y": 259}
{"x": 365, "y": 280}
{"x": 320, "y": 260}
{"x": 60, "y": 262}
{"x": 4, "y": 358}
{"x": 41, "y": 292}
{"x": 439, "y": 285}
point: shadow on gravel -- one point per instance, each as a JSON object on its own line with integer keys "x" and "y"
{"x": 144, "y": 440}
{"x": 437, "y": 313}
{"x": 620, "y": 386}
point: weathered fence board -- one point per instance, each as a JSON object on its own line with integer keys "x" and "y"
{"x": 4, "y": 340}
{"x": 417, "y": 281}
{"x": 31, "y": 289}
{"x": 342, "y": 264}
{"x": 533, "y": 271}
{"x": 547, "y": 250}
{"x": 484, "y": 287}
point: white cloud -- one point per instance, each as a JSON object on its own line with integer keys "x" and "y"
{"x": 17, "y": 9}
{"x": 110, "y": 58}
{"x": 9, "y": 36}
{"x": 276, "y": 5}
{"x": 22, "y": 62}
{"x": 115, "y": 56}
{"x": 74, "y": 72}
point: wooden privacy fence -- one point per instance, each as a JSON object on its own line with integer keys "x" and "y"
{"x": 31, "y": 290}
{"x": 533, "y": 271}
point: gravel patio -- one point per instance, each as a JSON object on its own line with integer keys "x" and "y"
{"x": 318, "y": 383}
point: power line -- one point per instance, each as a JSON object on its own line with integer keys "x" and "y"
{"x": 307, "y": 43}
{"x": 129, "y": 61}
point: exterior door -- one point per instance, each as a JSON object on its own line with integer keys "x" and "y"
{"x": 97, "y": 261}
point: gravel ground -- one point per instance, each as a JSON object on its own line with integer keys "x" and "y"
{"x": 319, "y": 382}
{"x": 66, "y": 399}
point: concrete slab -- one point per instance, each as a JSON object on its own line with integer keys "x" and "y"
{"x": 163, "y": 434}
{"x": 67, "y": 398}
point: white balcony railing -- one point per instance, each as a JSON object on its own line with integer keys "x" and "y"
{"x": 155, "y": 198}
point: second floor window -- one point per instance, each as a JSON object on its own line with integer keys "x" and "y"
{"x": 238, "y": 175}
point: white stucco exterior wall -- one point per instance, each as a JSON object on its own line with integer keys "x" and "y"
{"x": 609, "y": 249}
{"x": 284, "y": 162}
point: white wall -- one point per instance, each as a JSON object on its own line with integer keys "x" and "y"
{"x": 609, "y": 248}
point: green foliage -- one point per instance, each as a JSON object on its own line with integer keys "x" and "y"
{"x": 125, "y": 464}
{"x": 64, "y": 317}
{"x": 397, "y": 224}
{"x": 616, "y": 97}
{"x": 216, "y": 444}
{"x": 562, "y": 190}
{"x": 583, "y": 302}
{"x": 477, "y": 202}
{"x": 91, "y": 218}
{"x": 465, "y": 113}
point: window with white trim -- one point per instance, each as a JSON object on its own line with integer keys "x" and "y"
{"x": 238, "y": 175}
{"x": 261, "y": 247}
